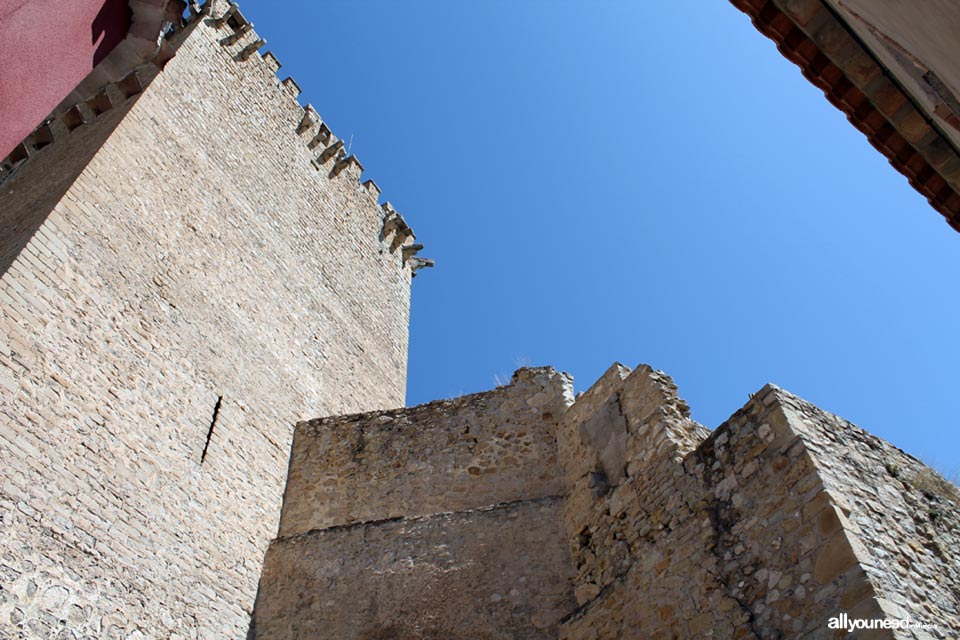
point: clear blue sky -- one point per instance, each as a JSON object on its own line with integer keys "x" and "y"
{"x": 642, "y": 182}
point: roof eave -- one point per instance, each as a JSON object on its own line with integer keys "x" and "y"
{"x": 830, "y": 55}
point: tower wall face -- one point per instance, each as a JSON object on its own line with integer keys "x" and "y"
{"x": 179, "y": 285}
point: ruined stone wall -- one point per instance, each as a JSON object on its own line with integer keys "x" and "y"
{"x": 184, "y": 276}
{"x": 765, "y": 528}
{"x": 441, "y": 521}
{"x": 779, "y": 520}
{"x": 780, "y": 551}
{"x": 902, "y": 518}
{"x": 448, "y": 455}
{"x": 638, "y": 525}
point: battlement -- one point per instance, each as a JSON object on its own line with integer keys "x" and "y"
{"x": 149, "y": 45}
{"x": 331, "y": 159}
{"x": 84, "y": 106}
{"x": 752, "y": 521}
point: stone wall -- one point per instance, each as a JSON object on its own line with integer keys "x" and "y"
{"x": 640, "y": 530}
{"x": 184, "y": 276}
{"x": 901, "y": 516}
{"x": 779, "y": 550}
{"x": 634, "y": 522}
{"x": 441, "y": 521}
{"x": 479, "y": 574}
{"x": 449, "y": 455}
{"x": 779, "y": 520}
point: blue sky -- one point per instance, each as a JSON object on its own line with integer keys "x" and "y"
{"x": 637, "y": 182}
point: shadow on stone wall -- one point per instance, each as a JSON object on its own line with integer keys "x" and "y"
{"x": 44, "y": 167}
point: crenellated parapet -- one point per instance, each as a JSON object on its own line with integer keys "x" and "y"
{"x": 148, "y": 42}
{"x": 329, "y": 154}
{"x": 766, "y": 527}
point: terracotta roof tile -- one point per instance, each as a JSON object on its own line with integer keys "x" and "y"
{"x": 809, "y": 34}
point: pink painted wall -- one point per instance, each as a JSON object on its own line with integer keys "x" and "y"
{"x": 46, "y": 48}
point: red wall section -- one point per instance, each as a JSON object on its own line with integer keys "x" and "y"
{"x": 46, "y": 48}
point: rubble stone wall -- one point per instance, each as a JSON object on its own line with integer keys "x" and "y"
{"x": 902, "y": 517}
{"x": 779, "y": 550}
{"x": 439, "y": 521}
{"x": 767, "y": 527}
{"x": 182, "y": 281}
{"x": 449, "y": 455}
{"x": 483, "y": 574}
{"x": 640, "y": 531}
{"x": 781, "y": 519}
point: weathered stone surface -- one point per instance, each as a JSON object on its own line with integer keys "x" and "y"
{"x": 440, "y": 521}
{"x": 672, "y": 531}
{"x": 492, "y": 574}
{"x": 752, "y": 533}
{"x": 189, "y": 266}
{"x": 901, "y": 517}
{"x": 448, "y": 455}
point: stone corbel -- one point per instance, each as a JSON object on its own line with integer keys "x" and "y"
{"x": 345, "y": 163}
{"x": 251, "y": 49}
{"x": 419, "y": 263}
{"x": 234, "y": 37}
{"x": 401, "y": 232}
{"x": 391, "y": 221}
{"x": 130, "y": 85}
{"x": 411, "y": 250}
{"x": 333, "y": 150}
{"x": 309, "y": 119}
{"x": 389, "y": 226}
{"x": 232, "y": 15}
{"x": 100, "y": 103}
{"x": 322, "y": 138}
{"x": 41, "y": 137}
{"x": 74, "y": 118}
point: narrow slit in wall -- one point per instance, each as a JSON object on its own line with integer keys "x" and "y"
{"x": 213, "y": 423}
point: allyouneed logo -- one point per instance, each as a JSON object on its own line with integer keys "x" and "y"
{"x": 845, "y": 622}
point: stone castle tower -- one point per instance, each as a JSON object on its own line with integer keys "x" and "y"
{"x": 190, "y": 265}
